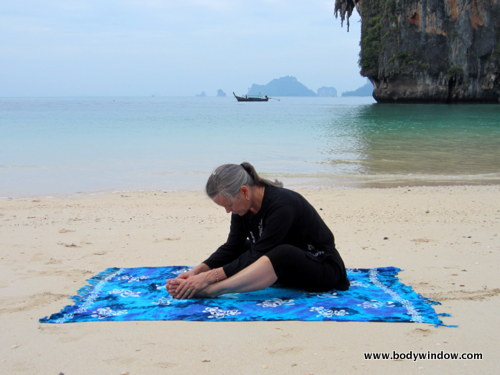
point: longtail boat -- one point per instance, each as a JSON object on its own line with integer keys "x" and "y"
{"x": 251, "y": 98}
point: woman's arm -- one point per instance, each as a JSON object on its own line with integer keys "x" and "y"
{"x": 202, "y": 267}
{"x": 233, "y": 247}
{"x": 276, "y": 227}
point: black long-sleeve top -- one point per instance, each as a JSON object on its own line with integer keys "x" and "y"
{"x": 285, "y": 217}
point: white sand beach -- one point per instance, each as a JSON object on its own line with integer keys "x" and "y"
{"x": 445, "y": 239}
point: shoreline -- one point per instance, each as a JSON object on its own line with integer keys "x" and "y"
{"x": 295, "y": 183}
{"x": 444, "y": 238}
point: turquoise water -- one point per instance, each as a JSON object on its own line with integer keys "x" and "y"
{"x": 53, "y": 146}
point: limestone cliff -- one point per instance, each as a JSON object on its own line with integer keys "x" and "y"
{"x": 445, "y": 51}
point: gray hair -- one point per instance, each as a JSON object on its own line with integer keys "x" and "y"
{"x": 229, "y": 178}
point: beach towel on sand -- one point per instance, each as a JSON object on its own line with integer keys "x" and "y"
{"x": 123, "y": 294}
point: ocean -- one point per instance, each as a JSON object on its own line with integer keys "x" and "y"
{"x": 66, "y": 146}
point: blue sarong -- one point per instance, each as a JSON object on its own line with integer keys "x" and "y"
{"x": 125, "y": 294}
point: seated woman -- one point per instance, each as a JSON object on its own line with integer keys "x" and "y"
{"x": 276, "y": 236}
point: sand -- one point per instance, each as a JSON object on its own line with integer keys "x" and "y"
{"x": 444, "y": 238}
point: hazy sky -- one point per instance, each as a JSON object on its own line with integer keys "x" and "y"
{"x": 172, "y": 47}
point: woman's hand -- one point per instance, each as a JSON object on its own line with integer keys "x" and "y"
{"x": 186, "y": 286}
{"x": 187, "y": 274}
{"x": 173, "y": 284}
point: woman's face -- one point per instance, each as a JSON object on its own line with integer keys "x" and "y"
{"x": 237, "y": 205}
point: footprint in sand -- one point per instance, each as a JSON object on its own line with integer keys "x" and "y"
{"x": 421, "y": 332}
{"x": 64, "y": 230}
{"x": 421, "y": 240}
{"x": 167, "y": 239}
{"x": 67, "y": 244}
{"x": 467, "y": 295}
{"x": 24, "y": 303}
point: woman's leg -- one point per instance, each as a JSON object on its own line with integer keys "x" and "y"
{"x": 296, "y": 269}
{"x": 259, "y": 275}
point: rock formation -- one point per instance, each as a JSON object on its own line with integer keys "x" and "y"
{"x": 327, "y": 91}
{"x": 365, "y": 90}
{"x": 437, "y": 51}
{"x": 284, "y": 86}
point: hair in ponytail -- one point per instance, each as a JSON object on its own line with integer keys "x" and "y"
{"x": 229, "y": 178}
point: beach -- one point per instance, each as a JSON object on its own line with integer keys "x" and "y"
{"x": 444, "y": 238}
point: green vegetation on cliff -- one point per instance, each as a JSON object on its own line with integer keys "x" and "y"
{"x": 371, "y": 41}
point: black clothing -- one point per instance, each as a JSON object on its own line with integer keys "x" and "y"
{"x": 285, "y": 218}
{"x": 296, "y": 269}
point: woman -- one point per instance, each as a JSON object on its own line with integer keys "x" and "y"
{"x": 275, "y": 236}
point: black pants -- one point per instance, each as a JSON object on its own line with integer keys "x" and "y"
{"x": 296, "y": 269}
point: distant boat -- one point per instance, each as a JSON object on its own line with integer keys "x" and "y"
{"x": 251, "y": 98}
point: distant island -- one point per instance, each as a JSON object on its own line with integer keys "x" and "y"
{"x": 284, "y": 86}
{"x": 327, "y": 91}
{"x": 290, "y": 86}
{"x": 220, "y": 94}
{"x": 366, "y": 90}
